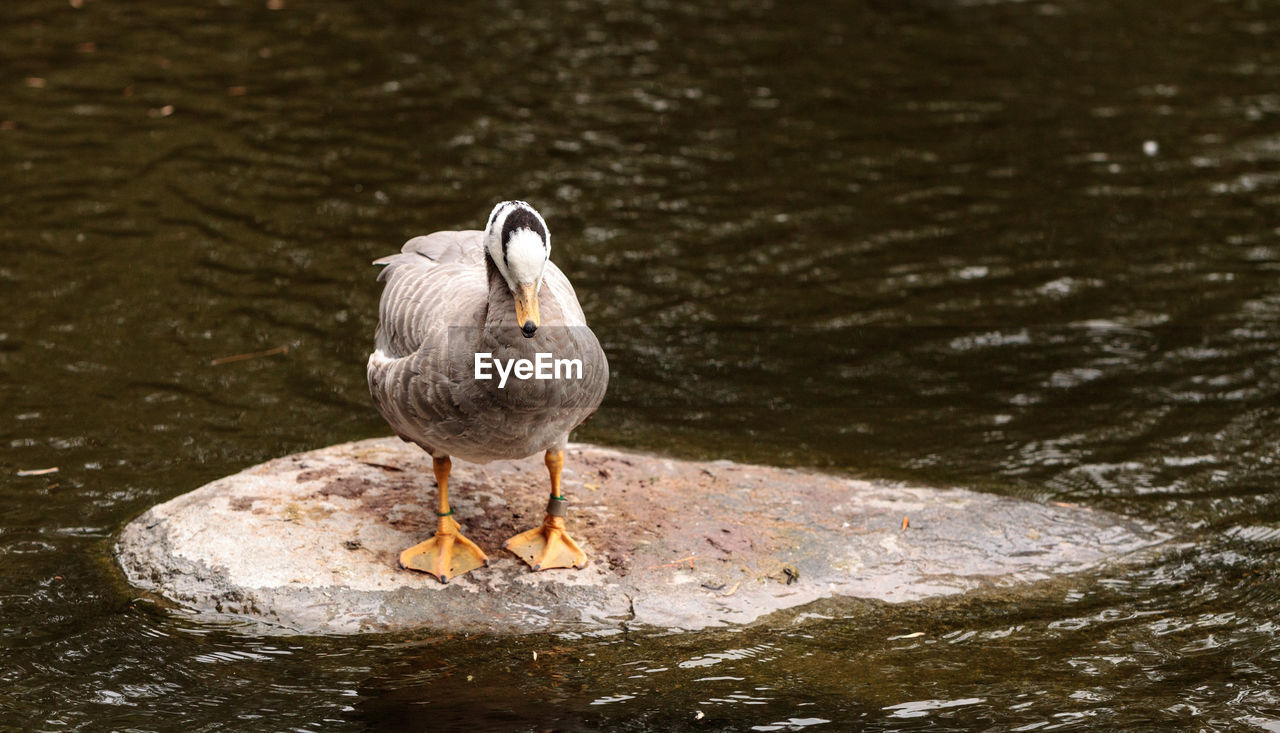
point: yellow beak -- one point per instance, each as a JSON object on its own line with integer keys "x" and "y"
{"x": 527, "y": 308}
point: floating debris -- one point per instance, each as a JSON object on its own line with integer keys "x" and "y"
{"x": 37, "y": 471}
{"x": 253, "y": 355}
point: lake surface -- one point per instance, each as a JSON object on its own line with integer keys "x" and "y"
{"x": 1028, "y": 248}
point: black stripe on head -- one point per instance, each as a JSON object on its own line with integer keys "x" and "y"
{"x": 521, "y": 218}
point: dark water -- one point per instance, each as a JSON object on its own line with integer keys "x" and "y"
{"x": 1031, "y": 248}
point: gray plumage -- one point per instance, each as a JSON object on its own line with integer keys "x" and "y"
{"x": 444, "y": 301}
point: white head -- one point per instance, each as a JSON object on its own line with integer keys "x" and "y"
{"x": 519, "y": 244}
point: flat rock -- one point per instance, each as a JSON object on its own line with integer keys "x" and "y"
{"x": 309, "y": 542}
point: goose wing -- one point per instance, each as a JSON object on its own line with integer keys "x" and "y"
{"x": 436, "y": 284}
{"x": 576, "y": 340}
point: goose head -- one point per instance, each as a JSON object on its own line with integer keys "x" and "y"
{"x": 517, "y": 240}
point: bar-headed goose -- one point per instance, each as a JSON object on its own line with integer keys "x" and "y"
{"x": 483, "y": 353}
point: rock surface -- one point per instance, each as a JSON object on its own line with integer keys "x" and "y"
{"x": 309, "y": 542}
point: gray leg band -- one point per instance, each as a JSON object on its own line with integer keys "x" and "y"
{"x": 556, "y": 506}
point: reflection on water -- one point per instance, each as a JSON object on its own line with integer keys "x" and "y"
{"x": 1026, "y": 247}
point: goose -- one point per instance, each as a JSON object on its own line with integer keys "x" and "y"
{"x": 454, "y": 304}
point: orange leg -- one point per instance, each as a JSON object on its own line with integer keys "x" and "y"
{"x": 448, "y": 554}
{"x": 550, "y": 546}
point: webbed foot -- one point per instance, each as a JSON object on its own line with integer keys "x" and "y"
{"x": 447, "y": 555}
{"x": 548, "y": 546}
